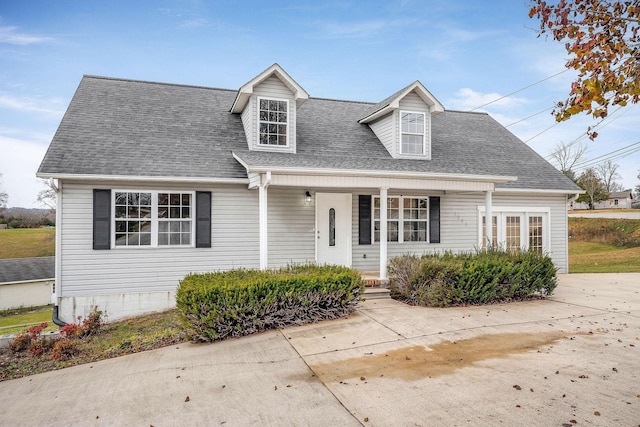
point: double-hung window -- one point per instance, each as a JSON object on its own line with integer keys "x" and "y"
{"x": 393, "y": 216}
{"x": 407, "y": 219}
{"x": 412, "y": 133}
{"x": 273, "y": 121}
{"x": 153, "y": 218}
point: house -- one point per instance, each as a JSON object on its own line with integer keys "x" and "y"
{"x": 26, "y": 282}
{"x": 615, "y": 200}
{"x": 158, "y": 180}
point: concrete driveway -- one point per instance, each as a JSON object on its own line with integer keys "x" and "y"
{"x": 571, "y": 360}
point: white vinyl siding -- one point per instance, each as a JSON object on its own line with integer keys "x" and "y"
{"x": 85, "y": 271}
{"x": 385, "y": 130}
{"x": 389, "y": 132}
{"x": 235, "y": 236}
{"x": 291, "y": 227}
{"x": 412, "y": 103}
{"x": 271, "y": 88}
{"x": 459, "y": 228}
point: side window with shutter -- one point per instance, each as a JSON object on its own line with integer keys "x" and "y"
{"x": 434, "y": 219}
{"x": 203, "y": 219}
{"x": 101, "y": 219}
{"x": 364, "y": 216}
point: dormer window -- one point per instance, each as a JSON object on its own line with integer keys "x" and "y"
{"x": 412, "y": 130}
{"x": 273, "y": 121}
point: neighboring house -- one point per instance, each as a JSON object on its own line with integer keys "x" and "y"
{"x": 615, "y": 200}
{"x": 26, "y": 282}
{"x": 158, "y": 180}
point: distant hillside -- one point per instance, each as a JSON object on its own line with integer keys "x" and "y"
{"x": 27, "y": 211}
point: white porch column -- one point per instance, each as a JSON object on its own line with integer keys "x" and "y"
{"x": 265, "y": 180}
{"x": 488, "y": 214}
{"x": 383, "y": 233}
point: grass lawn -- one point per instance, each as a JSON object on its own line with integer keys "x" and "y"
{"x": 27, "y": 242}
{"x": 591, "y": 257}
{"x": 15, "y": 321}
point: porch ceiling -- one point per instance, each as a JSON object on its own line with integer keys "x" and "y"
{"x": 373, "y": 181}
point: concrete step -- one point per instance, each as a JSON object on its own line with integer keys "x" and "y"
{"x": 377, "y": 293}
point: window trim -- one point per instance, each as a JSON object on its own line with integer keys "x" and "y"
{"x": 258, "y": 121}
{"x": 154, "y": 218}
{"x": 424, "y": 133}
{"x": 524, "y": 212}
{"x": 401, "y": 219}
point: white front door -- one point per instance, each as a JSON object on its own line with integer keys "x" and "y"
{"x": 333, "y": 228}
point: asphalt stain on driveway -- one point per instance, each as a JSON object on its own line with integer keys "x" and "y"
{"x": 417, "y": 362}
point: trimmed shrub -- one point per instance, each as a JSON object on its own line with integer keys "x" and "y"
{"x": 214, "y": 306}
{"x": 471, "y": 278}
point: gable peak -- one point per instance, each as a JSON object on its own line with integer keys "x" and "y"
{"x": 275, "y": 70}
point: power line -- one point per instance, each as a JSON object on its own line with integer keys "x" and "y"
{"x": 543, "y": 131}
{"x": 528, "y": 117}
{"x": 615, "y": 154}
{"x": 584, "y": 134}
{"x": 520, "y": 90}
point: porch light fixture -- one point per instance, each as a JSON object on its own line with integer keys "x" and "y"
{"x": 307, "y": 196}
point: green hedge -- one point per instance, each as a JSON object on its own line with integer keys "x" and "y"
{"x": 471, "y": 278}
{"x": 215, "y": 306}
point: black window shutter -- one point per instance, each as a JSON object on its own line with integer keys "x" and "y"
{"x": 101, "y": 219}
{"x": 434, "y": 219}
{"x": 364, "y": 215}
{"x": 203, "y": 219}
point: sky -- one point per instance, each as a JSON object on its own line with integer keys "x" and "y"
{"x": 467, "y": 53}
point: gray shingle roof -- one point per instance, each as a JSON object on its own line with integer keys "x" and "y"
{"x": 25, "y": 269}
{"x": 122, "y": 127}
{"x": 620, "y": 194}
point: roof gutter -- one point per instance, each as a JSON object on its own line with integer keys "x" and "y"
{"x": 137, "y": 178}
{"x": 537, "y": 191}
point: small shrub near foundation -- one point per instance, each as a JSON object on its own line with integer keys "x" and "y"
{"x": 471, "y": 278}
{"x": 61, "y": 348}
{"x": 64, "y": 350}
{"x": 215, "y": 306}
{"x": 20, "y": 343}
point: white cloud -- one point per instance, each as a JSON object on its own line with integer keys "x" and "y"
{"x": 467, "y": 99}
{"x": 11, "y": 35}
{"x": 18, "y": 165}
{"x": 53, "y": 107}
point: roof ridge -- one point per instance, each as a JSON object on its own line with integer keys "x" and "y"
{"x": 466, "y": 112}
{"x": 122, "y": 79}
{"x": 341, "y": 100}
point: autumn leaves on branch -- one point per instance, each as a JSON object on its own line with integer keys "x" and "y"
{"x": 602, "y": 40}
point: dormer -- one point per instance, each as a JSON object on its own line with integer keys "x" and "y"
{"x": 268, "y": 106}
{"x": 402, "y": 122}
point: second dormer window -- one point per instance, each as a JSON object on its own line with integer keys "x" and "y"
{"x": 273, "y": 121}
{"x": 412, "y": 133}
